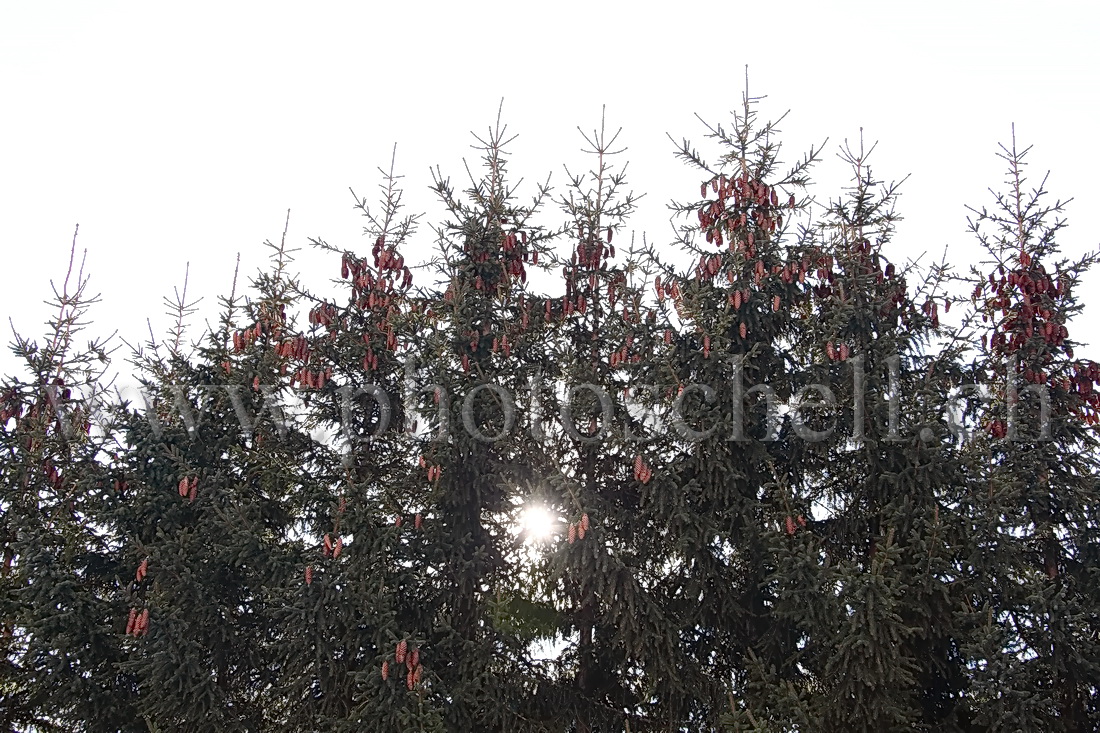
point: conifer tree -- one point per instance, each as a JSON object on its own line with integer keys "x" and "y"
{"x": 1034, "y": 604}
{"x": 210, "y": 471}
{"x": 871, "y": 598}
{"x": 60, "y": 578}
{"x": 481, "y": 347}
{"x": 807, "y": 534}
{"x": 359, "y": 592}
{"x": 727, "y": 489}
{"x": 596, "y": 571}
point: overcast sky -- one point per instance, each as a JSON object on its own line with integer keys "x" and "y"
{"x": 182, "y": 132}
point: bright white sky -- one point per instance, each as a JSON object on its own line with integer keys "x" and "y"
{"x": 183, "y": 132}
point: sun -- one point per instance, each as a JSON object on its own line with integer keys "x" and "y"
{"x": 537, "y": 523}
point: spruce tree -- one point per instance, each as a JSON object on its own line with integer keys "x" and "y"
{"x": 1034, "y": 602}
{"x": 358, "y": 590}
{"x": 481, "y": 346}
{"x": 597, "y": 570}
{"x": 208, "y": 482}
{"x": 61, "y": 577}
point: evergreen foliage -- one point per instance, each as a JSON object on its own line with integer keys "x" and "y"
{"x": 787, "y": 490}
